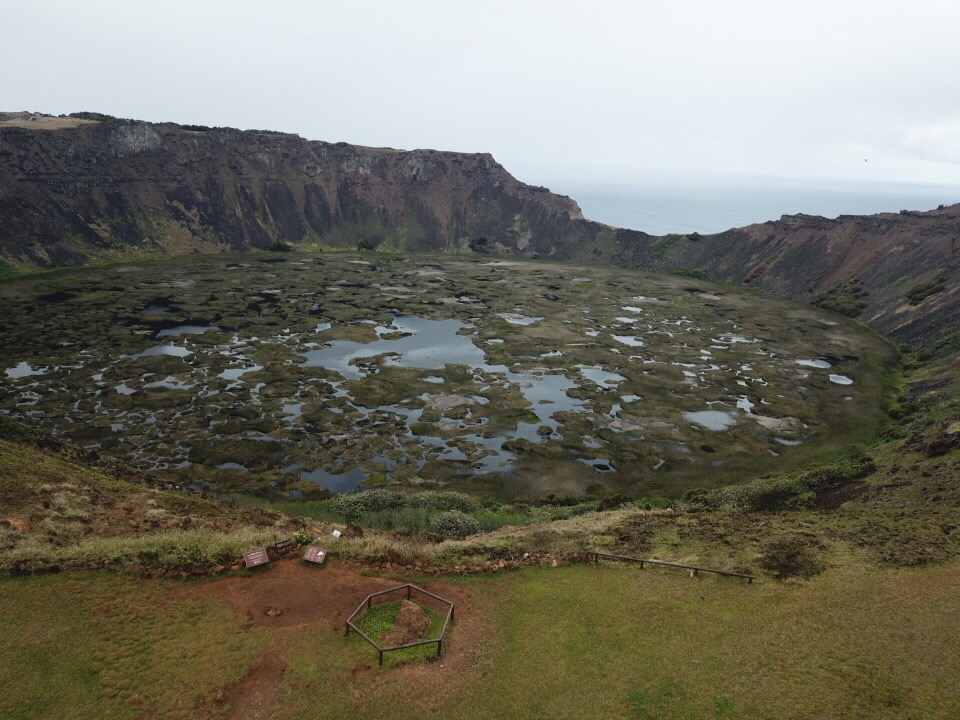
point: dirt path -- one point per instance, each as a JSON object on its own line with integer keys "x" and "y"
{"x": 290, "y": 594}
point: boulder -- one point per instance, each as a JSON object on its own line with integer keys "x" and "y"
{"x": 412, "y": 624}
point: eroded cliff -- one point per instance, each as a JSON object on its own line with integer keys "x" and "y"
{"x": 80, "y": 188}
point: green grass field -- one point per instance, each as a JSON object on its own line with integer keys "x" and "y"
{"x": 575, "y": 642}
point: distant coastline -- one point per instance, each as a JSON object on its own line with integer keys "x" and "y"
{"x": 711, "y": 209}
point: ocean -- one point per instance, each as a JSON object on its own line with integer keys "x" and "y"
{"x": 711, "y": 209}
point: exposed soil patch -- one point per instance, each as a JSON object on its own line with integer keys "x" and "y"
{"x": 302, "y": 594}
{"x": 305, "y": 595}
{"x": 254, "y": 695}
{"x": 833, "y": 499}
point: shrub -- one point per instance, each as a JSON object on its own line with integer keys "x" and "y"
{"x": 354, "y": 505}
{"x": 695, "y": 273}
{"x": 794, "y": 556}
{"x": 662, "y": 247}
{"x": 844, "y": 298}
{"x": 302, "y": 537}
{"x": 480, "y": 246}
{"x": 612, "y": 502}
{"x": 279, "y": 246}
{"x": 365, "y": 245}
{"x": 11, "y": 429}
{"x": 91, "y": 116}
{"x": 454, "y": 524}
{"x": 7, "y": 269}
{"x": 694, "y": 236}
{"x": 779, "y": 493}
{"x": 444, "y": 500}
{"x": 921, "y": 291}
{"x": 404, "y": 519}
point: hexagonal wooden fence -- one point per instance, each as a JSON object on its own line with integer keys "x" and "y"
{"x": 410, "y": 589}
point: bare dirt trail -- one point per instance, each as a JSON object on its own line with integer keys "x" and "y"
{"x": 290, "y": 595}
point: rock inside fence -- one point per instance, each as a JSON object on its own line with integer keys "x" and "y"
{"x": 412, "y": 624}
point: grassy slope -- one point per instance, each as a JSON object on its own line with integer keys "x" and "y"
{"x": 97, "y": 645}
{"x": 573, "y": 642}
{"x": 56, "y": 511}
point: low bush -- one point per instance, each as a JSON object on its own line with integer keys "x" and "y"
{"x": 454, "y": 524}
{"x": 793, "y": 557}
{"x": 445, "y": 500}
{"x": 921, "y": 291}
{"x": 696, "y": 273}
{"x": 789, "y": 492}
{"x": 481, "y": 245}
{"x": 354, "y": 505}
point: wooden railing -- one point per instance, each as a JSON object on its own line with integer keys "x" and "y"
{"x": 692, "y": 568}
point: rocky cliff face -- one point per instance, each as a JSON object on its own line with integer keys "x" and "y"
{"x": 72, "y": 190}
{"x": 897, "y": 272}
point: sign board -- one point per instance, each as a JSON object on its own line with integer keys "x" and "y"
{"x": 284, "y": 546}
{"x": 256, "y": 558}
{"x": 315, "y": 554}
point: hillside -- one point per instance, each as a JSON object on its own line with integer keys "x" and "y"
{"x": 77, "y": 189}
{"x": 73, "y": 190}
{"x": 160, "y": 400}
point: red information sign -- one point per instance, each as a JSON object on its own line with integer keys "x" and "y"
{"x": 256, "y": 558}
{"x": 315, "y": 554}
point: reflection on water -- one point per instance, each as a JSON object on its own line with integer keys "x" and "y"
{"x": 24, "y": 369}
{"x": 335, "y": 482}
{"x": 431, "y": 345}
{"x": 841, "y": 380}
{"x": 162, "y": 349}
{"x": 821, "y": 364}
{"x": 715, "y": 420}
{"x": 186, "y": 330}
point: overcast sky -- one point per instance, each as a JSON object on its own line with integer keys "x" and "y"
{"x": 560, "y": 92}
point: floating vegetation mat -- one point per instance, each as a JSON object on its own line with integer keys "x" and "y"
{"x": 332, "y": 372}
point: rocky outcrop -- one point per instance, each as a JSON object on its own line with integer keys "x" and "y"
{"x": 896, "y": 271}
{"x": 114, "y": 188}
{"x": 76, "y": 189}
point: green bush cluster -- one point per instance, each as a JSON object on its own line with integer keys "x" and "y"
{"x": 383, "y": 509}
{"x": 793, "y": 557}
{"x": 355, "y": 505}
{"x": 790, "y": 492}
{"x": 481, "y": 245}
{"x": 84, "y": 115}
{"x": 921, "y": 291}
{"x": 845, "y": 298}
{"x": 454, "y": 524}
{"x": 696, "y": 273}
{"x": 778, "y": 493}
{"x": 662, "y": 247}
{"x": 7, "y": 270}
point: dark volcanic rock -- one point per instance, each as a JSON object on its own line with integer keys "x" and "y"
{"x": 71, "y": 193}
